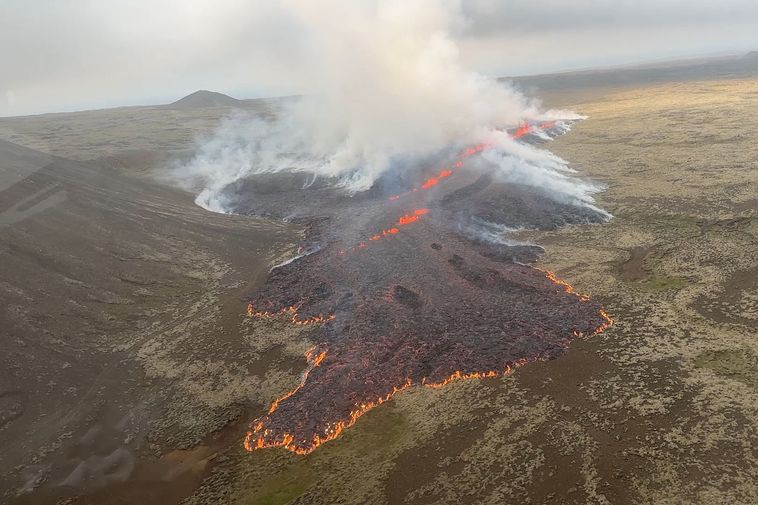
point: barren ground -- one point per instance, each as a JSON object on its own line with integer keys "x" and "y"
{"x": 132, "y": 372}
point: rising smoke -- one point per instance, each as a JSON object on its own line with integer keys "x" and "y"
{"x": 389, "y": 90}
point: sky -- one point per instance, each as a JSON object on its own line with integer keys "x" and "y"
{"x": 82, "y": 54}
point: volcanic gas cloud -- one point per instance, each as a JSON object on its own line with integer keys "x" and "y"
{"x": 407, "y": 180}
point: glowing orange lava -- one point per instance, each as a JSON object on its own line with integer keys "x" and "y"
{"x": 412, "y": 217}
{"x": 265, "y": 433}
{"x": 523, "y": 130}
{"x": 256, "y": 437}
{"x": 313, "y": 360}
{"x": 403, "y": 220}
{"x": 568, "y": 288}
{"x": 547, "y": 125}
{"x": 607, "y": 323}
{"x": 433, "y": 181}
{"x": 251, "y": 312}
{"x": 445, "y": 172}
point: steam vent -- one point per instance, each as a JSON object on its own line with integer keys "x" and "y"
{"x": 405, "y": 286}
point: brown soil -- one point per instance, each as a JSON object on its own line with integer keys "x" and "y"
{"x": 121, "y": 340}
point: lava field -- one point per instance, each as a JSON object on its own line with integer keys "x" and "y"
{"x": 401, "y": 287}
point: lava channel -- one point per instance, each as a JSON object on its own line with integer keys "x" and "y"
{"x": 421, "y": 308}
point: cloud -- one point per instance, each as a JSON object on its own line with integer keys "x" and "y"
{"x": 494, "y": 17}
{"x": 86, "y": 53}
{"x": 82, "y": 53}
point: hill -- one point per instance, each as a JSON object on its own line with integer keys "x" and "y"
{"x": 204, "y": 98}
{"x": 729, "y": 67}
{"x": 96, "y": 268}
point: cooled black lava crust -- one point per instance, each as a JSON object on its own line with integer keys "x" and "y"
{"x": 430, "y": 301}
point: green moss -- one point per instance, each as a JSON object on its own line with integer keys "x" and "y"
{"x": 679, "y": 221}
{"x": 663, "y": 283}
{"x": 375, "y": 433}
{"x": 283, "y": 489}
{"x": 385, "y": 427}
{"x": 666, "y": 221}
{"x": 740, "y": 365}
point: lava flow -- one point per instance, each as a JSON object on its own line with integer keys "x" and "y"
{"x": 523, "y": 130}
{"x": 292, "y": 311}
{"x": 404, "y": 220}
{"x": 445, "y": 172}
{"x": 353, "y": 378}
{"x": 440, "y": 305}
{"x": 409, "y": 218}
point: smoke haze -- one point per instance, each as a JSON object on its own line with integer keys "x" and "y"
{"x": 391, "y": 91}
{"x": 82, "y": 54}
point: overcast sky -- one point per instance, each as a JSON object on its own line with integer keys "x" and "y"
{"x": 60, "y": 55}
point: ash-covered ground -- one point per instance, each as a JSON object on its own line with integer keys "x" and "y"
{"x": 410, "y": 283}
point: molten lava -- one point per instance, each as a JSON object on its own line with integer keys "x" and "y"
{"x": 304, "y": 435}
{"x": 564, "y": 285}
{"x": 432, "y": 181}
{"x": 291, "y": 310}
{"x": 403, "y": 220}
{"x": 445, "y": 172}
{"x": 523, "y": 130}
{"x": 412, "y": 217}
{"x": 435, "y": 307}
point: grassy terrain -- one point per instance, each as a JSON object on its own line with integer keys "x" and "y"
{"x": 662, "y": 407}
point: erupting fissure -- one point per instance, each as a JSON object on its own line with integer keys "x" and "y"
{"x": 403, "y": 220}
{"x": 429, "y": 309}
{"x": 445, "y": 172}
{"x": 523, "y": 130}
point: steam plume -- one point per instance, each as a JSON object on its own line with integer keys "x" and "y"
{"x": 389, "y": 90}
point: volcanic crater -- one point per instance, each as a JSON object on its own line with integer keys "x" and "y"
{"x": 400, "y": 287}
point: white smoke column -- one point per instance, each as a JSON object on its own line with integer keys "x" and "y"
{"x": 526, "y": 164}
{"x": 388, "y": 86}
